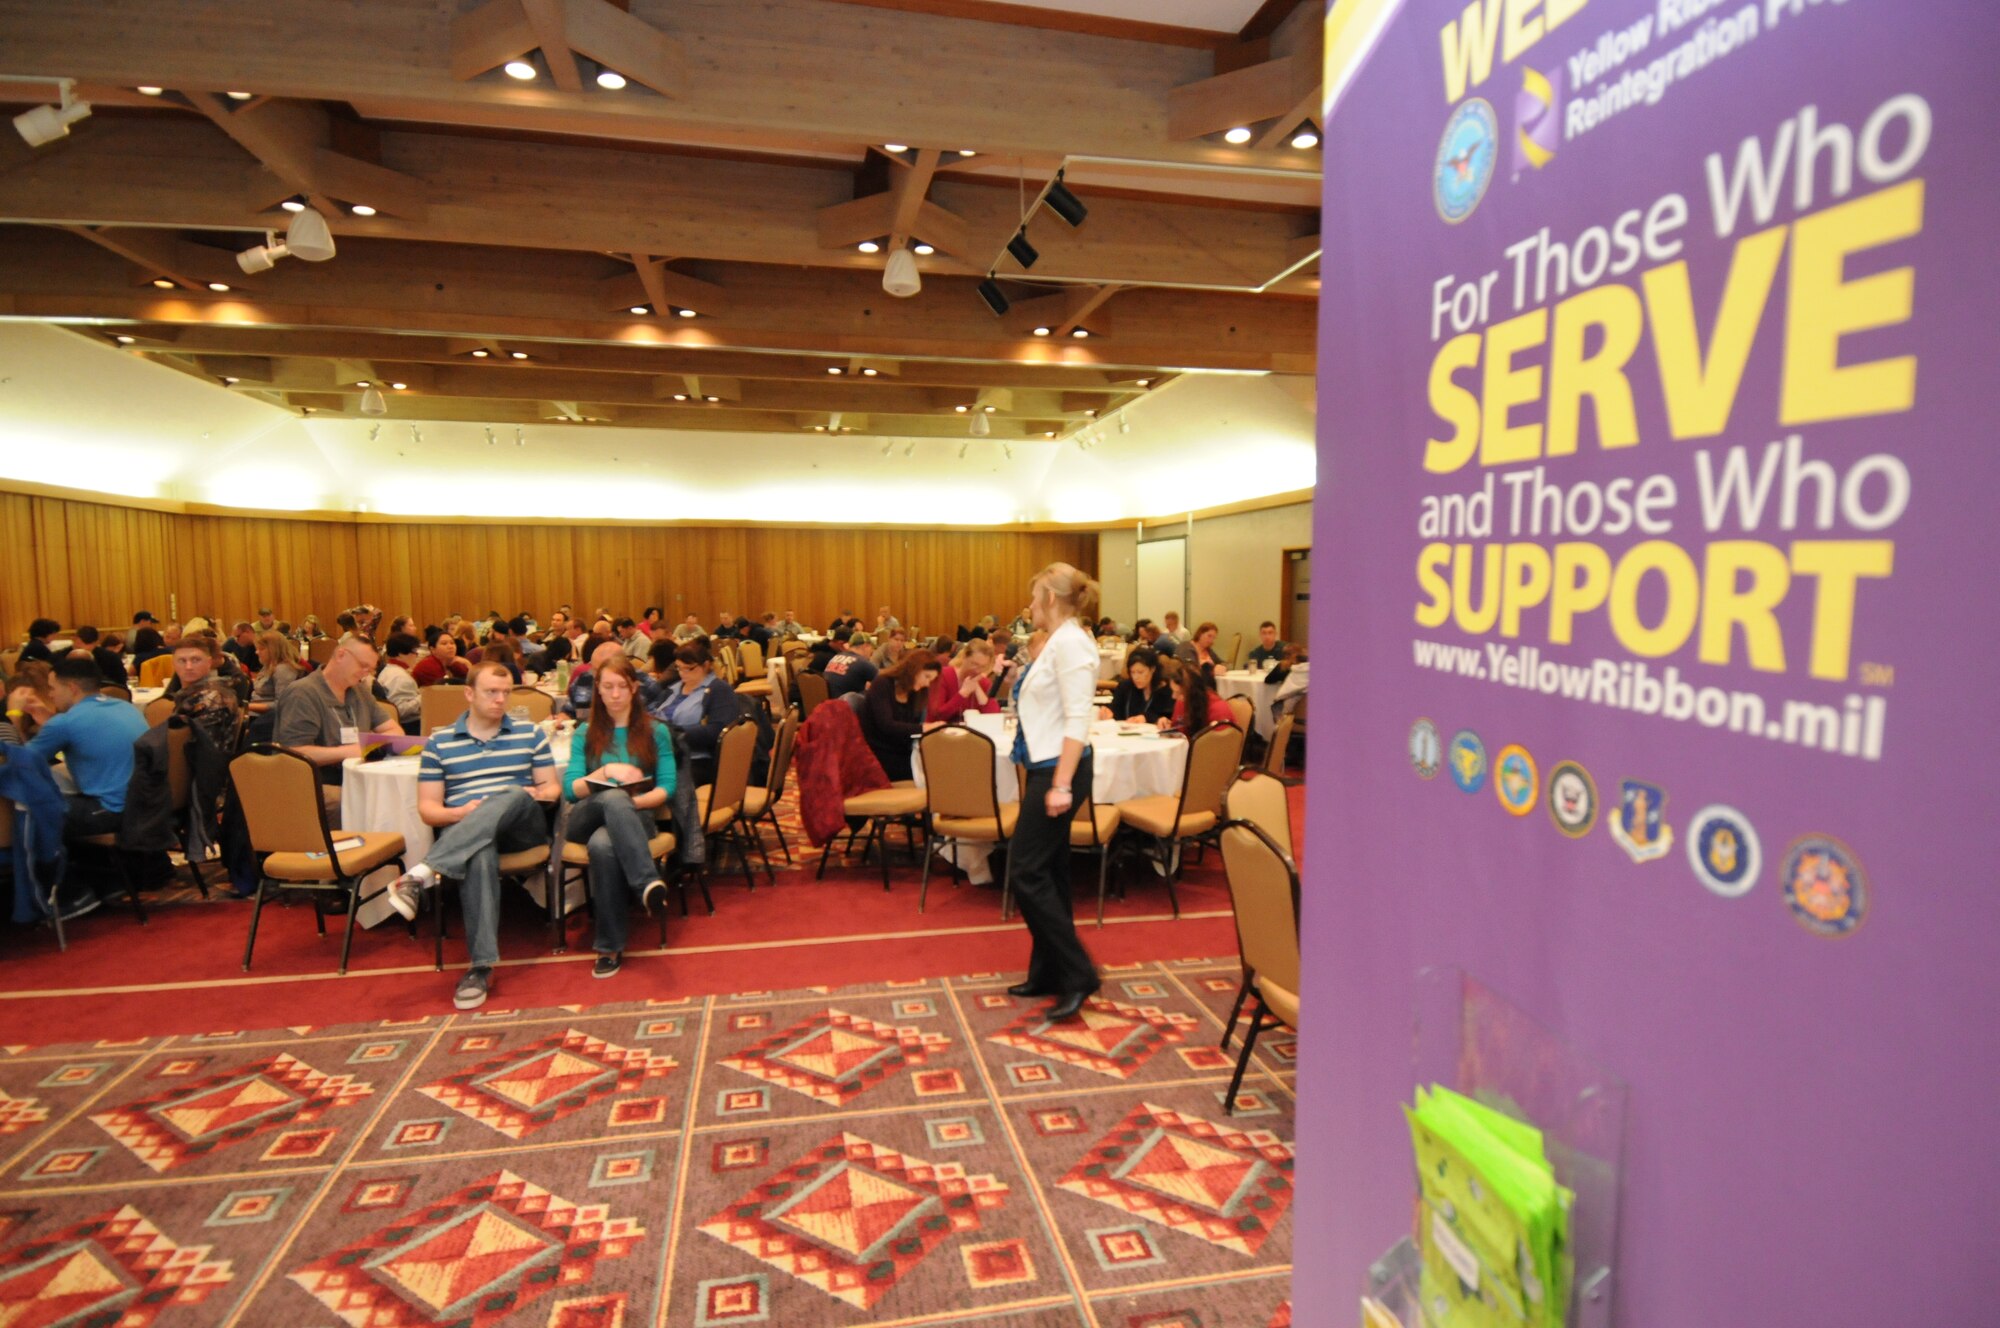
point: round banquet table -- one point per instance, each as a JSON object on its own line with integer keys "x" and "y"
{"x": 382, "y": 796}
{"x": 1250, "y": 683}
{"x": 1110, "y": 663}
{"x": 145, "y": 696}
{"x": 1138, "y": 763}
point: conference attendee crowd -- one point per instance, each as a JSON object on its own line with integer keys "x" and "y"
{"x": 619, "y": 754}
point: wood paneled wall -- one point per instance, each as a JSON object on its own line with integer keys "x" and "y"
{"x": 90, "y": 562}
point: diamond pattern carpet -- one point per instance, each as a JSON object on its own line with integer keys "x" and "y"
{"x": 929, "y": 1152}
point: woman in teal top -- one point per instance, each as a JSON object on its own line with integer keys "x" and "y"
{"x": 621, "y": 745}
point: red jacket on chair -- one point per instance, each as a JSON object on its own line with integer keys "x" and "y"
{"x": 833, "y": 764}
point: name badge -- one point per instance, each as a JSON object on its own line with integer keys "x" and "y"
{"x": 349, "y": 735}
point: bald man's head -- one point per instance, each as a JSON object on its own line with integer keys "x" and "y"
{"x": 605, "y": 653}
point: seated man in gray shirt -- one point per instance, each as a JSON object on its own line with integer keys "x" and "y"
{"x": 324, "y": 715}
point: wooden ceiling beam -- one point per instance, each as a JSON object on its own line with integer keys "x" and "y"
{"x": 163, "y": 254}
{"x": 549, "y": 20}
{"x": 1280, "y": 92}
{"x": 909, "y": 190}
{"x": 653, "y": 283}
{"x": 290, "y": 139}
{"x": 487, "y": 36}
{"x": 610, "y": 35}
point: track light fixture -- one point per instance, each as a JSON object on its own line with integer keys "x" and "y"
{"x": 1008, "y": 448}
{"x": 1124, "y": 425}
{"x": 981, "y": 426}
{"x": 520, "y": 436}
{"x": 996, "y": 299}
{"x": 372, "y": 402}
{"x": 416, "y": 435}
{"x": 911, "y": 450}
{"x": 45, "y": 124}
{"x": 374, "y": 432}
{"x": 963, "y": 448}
{"x": 306, "y": 237}
{"x": 491, "y": 441}
{"x": 888, "y": 447}
{"x": 900, "y": 277}
{"x": 1024, "y": 253}
{"x": 1065, "y": 204}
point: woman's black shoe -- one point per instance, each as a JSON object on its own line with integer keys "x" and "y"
{"x": 1027, "y": 989}
{"x": 1067, "y": 1007}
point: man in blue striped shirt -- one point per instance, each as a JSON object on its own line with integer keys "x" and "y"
{"x": 483, "y": 783}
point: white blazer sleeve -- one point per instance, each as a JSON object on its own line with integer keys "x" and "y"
{"x": 1076, "y": 683}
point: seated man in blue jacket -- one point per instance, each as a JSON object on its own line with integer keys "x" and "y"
{"x": 94, "y": 736}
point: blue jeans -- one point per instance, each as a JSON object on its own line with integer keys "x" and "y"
{"x": 469, "y": 852}
{"x": 616, "y": 834}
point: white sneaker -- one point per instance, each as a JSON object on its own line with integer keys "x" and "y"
{"x": 406, "y": 891}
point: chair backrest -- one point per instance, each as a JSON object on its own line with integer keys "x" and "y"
{"x": 793, "y": 647}
{"x": 155, "y": 671}
{"x": 781, "y": 756}
{"x": 9, "y": 659}
{"x": 733, "y": 752}
{"x": 752, "y": 657}
{"x": 1262, "y": 800}
{"x": 812, "y": 691}
{"x": 959, "y": 777}
{"x": 180, "y": 773}
{"x": 1213, "y": 754}
{"x": 441, "y": 705}
{"x": 1235, "y": 650}
{"x": 728, "y": 663}
{"x": 383, "y": 710}
{"x": 1241, "y": 711}
{"x": 320, "y": 649}
{"x": 116, "y": 691}
{"x": 539, "y": 703}
{"x": 1281, "y": 741}
{"x": 279, "y": 792}
{"x": 158, "y": 709}
{"x": 1264, "y": 890}
{"x": 1297, "y": 714}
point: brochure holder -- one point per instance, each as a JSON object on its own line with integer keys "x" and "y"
{"x": 1473, "y": 1040}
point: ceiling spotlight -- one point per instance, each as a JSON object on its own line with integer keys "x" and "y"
{"x": 1024, "y": 253}
{"x": 1305, "y": 139}
{"x": 924, "y": 250}
{"x": 293, "y": 205}
{"x": 895, "y": 147}
{"x": 835, "y": 370}
{"x": 610, "y": 80}
{"x": 126, "y": 341}
{"x": 372, "y": 402}
{"x": 481, "y": 353}
{"x": 149, "y": 92}
{"x": 1042, "y": 331}
{"x": 680, "y": 396}
{"x": 520, "y": 69}
{"x": 981, "y": 426}
{"x": 712, "y": 400}
{"x": 237, "y": 96}
{"x": 996, "y": 299}
{"x": 870, "y": 373}
{"x": 1065, "y": 204}
{"x": 686, "y": 313}
{"x": 1239, "y": 136}
{"x": 45, "y": 124}
{"x": 163, "y": 283}
{"x": 306, "y": 237}
{"x": 966, "y": 152}
{"x": 641, "y": 310}
{"x": 899, "y": 277}
{"x": 869, "y": 247}
{"x": 520, "y": 355}
{"x": 400, "y": 387}
{"x": 218, "y": 286}
{"x": 491, "y": 441}
{"x": 362, "y": 210}
{"x": 1079, "y": 332}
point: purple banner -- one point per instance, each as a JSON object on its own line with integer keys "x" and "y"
{"x": 1657, "y": 521}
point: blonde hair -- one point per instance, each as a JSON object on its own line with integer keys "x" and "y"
{"x": 976, "y": 646}
{"x": 280, "y": 648}
{"x": 1072, "y": 589}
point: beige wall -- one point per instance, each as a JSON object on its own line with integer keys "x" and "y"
{"x": 1235, "y": 568}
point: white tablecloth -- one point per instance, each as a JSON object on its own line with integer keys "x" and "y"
{"x": 1123, "y": 767}
{"x": 382, "y": 796}
{"x": 1110, "y": 664}
{"x": 1250, "y": 683}
{"x": 145, "y": 696}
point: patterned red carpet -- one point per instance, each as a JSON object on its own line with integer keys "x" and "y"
{"x": 926, "y": 1152}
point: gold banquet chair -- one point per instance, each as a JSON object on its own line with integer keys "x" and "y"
{"x": 1261, "y": 800}
{"x": 721, "y": 803}
{"x": 962, "y": 797}
{"x": 761, "y": 804}
{"x": 1265, "y": 892}
{"x": 279, "y": 792}
{"x": 1241, "y": 711}
{"x": 440, "y": 705}
{"x": 1174, "y": 821}
{"x": 575, "y": 862}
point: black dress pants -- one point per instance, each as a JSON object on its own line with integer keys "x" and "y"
{"x": 1058, "y": 964}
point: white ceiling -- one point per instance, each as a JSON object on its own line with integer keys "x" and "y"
{"x": 1213, "y": 15}
{"x": 82, "y": 415}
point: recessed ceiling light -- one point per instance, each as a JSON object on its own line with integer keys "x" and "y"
{"x": 965, "y": 152}
{"x": 1305, "y": 139}
{"x": 680, "y": 396}
{"x": 231, "y": 381}
{"x": 362, "y": 382}
{"x": 522, "y": 355}
{"x": 989, "y": 409}
{"x": 1239, "y": 135}
{"x": 961, "y": 409}
{"x": 869, "y": 247}
{"x": 1079, "y": 332}
{"x": 610, "y": 80}
{"x": 835, "y": 369}
{"x": 924, "y": 250}
{"x": 641, "y": 309}
{"x": 1048, "y": 433}
{"x": 687, "y": 313}
{"x": 293, "y": 205}
{"x": 400, "y": 387}
{"x": 151, "y": 92}
{"x": 520, "y": 69}
{"x": 1091, "y": 413}
{"x": 163, "y": 283}
{"x": 363, "y": 210}
{"x": 1042, "y": 331}
{"x": 239, "y": 96}
{"x": 480, "y": 354}
{"x": 895, "y": 147}
{"x": 712, "y": 400}
{"x": 218, "y": 286}
{"x": 125, "y": 340}
{"x": 870, "y": 373}
{"x": 1145, "y": 382}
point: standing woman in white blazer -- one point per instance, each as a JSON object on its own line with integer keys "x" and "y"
{"x": 1055, "y": 700}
